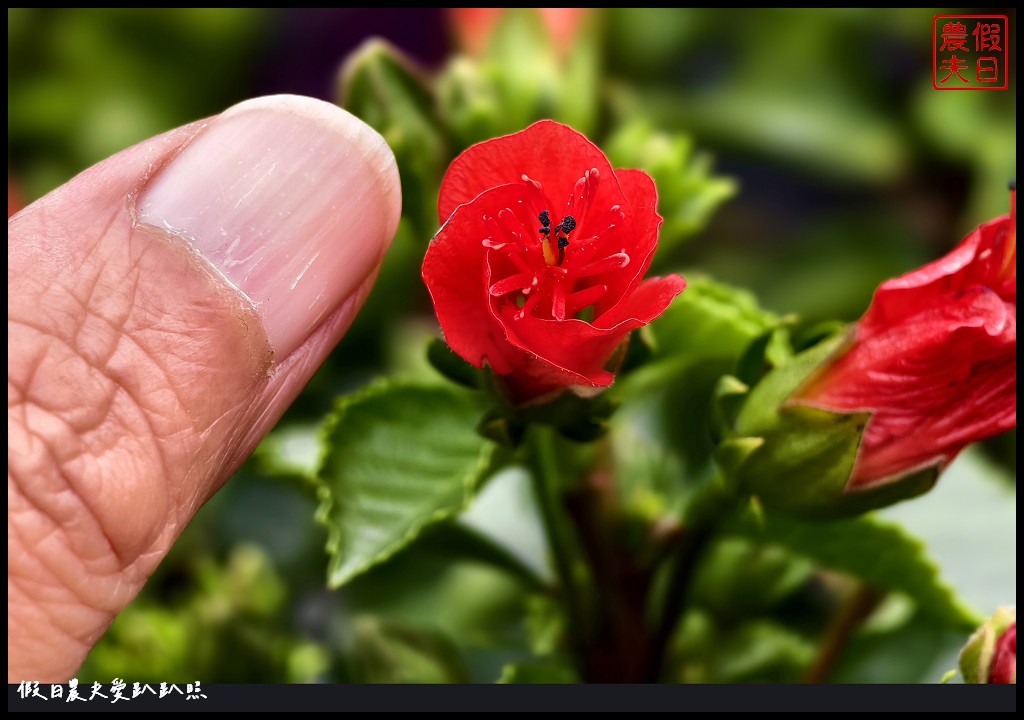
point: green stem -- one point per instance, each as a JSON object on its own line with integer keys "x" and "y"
{"x": 705, "y": 516}
{"x": 547, "y": 489}
{"x": 855, "y": 609}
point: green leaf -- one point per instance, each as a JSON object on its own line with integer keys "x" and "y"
{"x": 388, "y": 652}
{"x": 451, "y": 580}
{"x": 710, "y": 319}
{"x": 397, "y": 458}
{"x": 879, "y": 553}
{"x": 537, "y": 674}
{"x": 740, "y": 579}
{"x": 761, "y": 651}
{"x": 688, "y": 192}
{"x": 291, "y": 450}
{"x": 662, "y": 432}
{"x": 918, "y": 649}
{"x": 969, "y": 522}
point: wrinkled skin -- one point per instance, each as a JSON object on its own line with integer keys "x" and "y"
{"x": 138, "y": 381}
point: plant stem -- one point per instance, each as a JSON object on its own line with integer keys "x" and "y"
{"x": 617, "y": 637}
{"x": 697, "y": 535}
{"x": 683, "y": 564}
{"x": 547, "y": 489}
{"x": 855, "y": 609}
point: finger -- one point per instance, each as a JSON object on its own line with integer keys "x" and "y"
{"x": 165, "y": 307}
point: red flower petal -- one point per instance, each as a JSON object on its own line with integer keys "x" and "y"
{"x": 553, "y": 154}
{"x": 582, "y": 348}
{"x": 455, "y": 274}
{"x": 988, "y": 257}
{"x": 933, "y": 359}
{"x": 642, "y": 199}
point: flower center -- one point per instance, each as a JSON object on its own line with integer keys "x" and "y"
{"x": 557, "y": 271}
{"x": 562, "y": 231}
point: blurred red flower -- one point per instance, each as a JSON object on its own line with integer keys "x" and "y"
{"x": 538, "y": 269}
{"x": 934, "y": 359}
{"x": 474, "y": 27}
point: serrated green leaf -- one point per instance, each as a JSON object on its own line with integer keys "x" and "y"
{"x": 397, "y": 458}
{"x": 879, "y": 553}
{"x": 537, "y": 674}
{"x": 969, "y": 522}
{"x": 916, "y": 650}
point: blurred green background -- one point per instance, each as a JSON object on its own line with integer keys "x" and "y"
{"x": 847, "y": 166}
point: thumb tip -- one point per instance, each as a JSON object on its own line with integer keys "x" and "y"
{"x": 292, "y": 200}
{"x": 363, "y": 139}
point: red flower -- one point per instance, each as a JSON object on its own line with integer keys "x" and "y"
{"x": 1004, "y": 660}
{"x": 537, "y": 271}
{"x": 474, "y": 27}
{"x": 934, "y": 359}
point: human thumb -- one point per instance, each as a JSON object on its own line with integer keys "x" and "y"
{"x": 164, "y": 308}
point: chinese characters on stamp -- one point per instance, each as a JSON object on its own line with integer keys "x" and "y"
{"x": 970, "y": 52}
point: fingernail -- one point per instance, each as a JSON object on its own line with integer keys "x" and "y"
{"x": 293, "y": 200}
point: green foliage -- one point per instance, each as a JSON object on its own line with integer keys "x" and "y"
{"x": 389, "y": 653}
{"x": 537, "y": 674}
{"x": 878, "y": 553}
{"x": 688, "y": 194}
{"x": 911, "y": 648}
{"x": 523, "y": 77}
{"x": 660, "y": 435}
{"x": 232, "y": 626}
{"x": 397, "y": 458}
{"x": 741, "y": 578}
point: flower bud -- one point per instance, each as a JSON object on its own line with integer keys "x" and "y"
{"x": 990, "y": 656}
{"x": 874, "y": 415}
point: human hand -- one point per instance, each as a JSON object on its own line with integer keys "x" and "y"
{"x": 164, "y": 308}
